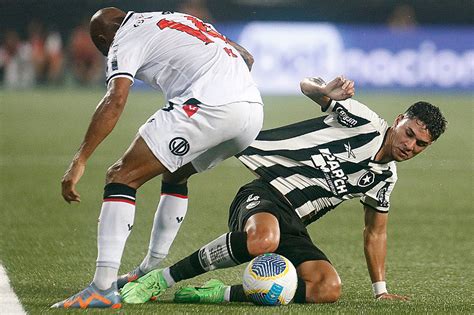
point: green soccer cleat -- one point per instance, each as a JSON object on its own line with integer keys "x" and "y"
{"x": 145, "y": 288}
{"x": 211, "y": 292}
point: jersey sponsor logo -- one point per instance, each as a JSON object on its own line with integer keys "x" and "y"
{"x": 382, "y": 197}
{"x": 179, "y": 146}
{"x": 349, "y": 151}
{"x": 366, "y": 179}
{"x": 333, "y": 173}
{"x": 190, "y": 109}
{"x": 344, "y": 117}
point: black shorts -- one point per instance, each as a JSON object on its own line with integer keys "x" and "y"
{"x": 259, "y": 196}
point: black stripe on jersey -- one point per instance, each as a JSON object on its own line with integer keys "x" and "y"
{"x": 116, "y": 74}
{"x": 277, "y": 170}
{"x": 336, "y": 147}
{"x": 299, "y": 197}
{"x": 313, "y": 216}
{"x": 293, "y": 130}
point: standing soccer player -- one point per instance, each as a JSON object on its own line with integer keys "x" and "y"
{"x": 213, "y": 111}
{"x": 305, "y": 170}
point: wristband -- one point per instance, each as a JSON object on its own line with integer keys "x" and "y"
{"x": 379, "y": 287}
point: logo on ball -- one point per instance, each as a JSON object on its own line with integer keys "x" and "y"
{"x": 179, "y": 146}
{"x": 270, "y": 279}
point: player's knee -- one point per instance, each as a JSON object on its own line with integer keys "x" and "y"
{"x": 327, "y": 290}
{"x": 112, "y": 172}
{"x": 115, "y": 175}
{"x": 261, "y": 242}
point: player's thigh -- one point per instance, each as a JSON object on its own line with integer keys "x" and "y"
{"x": 136, "y": 166}
{"x": 323, "y": 284}
{"x": 235, "y": 127}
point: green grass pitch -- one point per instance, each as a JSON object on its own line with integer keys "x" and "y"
{"x": 49, "y": 247}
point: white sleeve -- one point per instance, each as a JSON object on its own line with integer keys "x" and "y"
{"x": 126, "y": 56}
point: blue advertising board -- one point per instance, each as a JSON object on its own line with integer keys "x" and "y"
{"x": 434, "y": 58}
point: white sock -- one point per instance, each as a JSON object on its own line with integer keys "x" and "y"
{"x": 115, "y": 223}
{"x": 168, "y": 218}
{"x": 227, "y": 294}
{"x": 168, "y": 278}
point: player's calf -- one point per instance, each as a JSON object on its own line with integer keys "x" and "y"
{"x": 322, "y": 283}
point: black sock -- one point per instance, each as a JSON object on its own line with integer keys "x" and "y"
{"x": 187, "y": 268}
{"x": 300, "y": 294}
{"x": 228, "y": 250}
{"x": 237, "y": 294}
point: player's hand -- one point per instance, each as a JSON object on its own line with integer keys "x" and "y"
{"x": 339, "y": 89}
{"x": 388, "y": 296}
{"x": 68, "y": 183}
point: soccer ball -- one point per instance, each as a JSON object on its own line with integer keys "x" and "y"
{"x": 270, "y": 279}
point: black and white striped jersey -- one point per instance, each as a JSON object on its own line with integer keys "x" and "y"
{"x": 318, "y": 163}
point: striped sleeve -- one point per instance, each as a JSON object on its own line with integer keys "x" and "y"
{"x": 379, "y": 196}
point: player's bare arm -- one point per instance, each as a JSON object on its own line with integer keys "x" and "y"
{"x": 338, "y": 89}
{"x": 375, "y": 249}
{"x": 103, "y": 121}
{"x": 248, "y": 58}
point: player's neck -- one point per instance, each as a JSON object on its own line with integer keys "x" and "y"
{"x": 384, "y": 154}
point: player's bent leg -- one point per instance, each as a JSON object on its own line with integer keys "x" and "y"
{"x": 263, "y": 233}
{"x": 169, "y": 216}
{"x": 232, "y": 251}
{"x": 323, "y": 284}
{"x": 136, "y": 166}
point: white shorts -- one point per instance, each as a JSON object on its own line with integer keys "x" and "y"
{"x": 201, "y": 134}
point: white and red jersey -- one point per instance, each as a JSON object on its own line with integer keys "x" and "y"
{"x": 182, "y": 56}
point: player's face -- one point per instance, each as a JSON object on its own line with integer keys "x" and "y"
{"x": 410, "y": 137}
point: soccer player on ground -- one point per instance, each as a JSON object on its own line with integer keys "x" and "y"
{"x": 214, "y": 111}
{"x": 305, "y": 170}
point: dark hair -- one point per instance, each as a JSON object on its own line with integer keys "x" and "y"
{"x": 430, "y": 115}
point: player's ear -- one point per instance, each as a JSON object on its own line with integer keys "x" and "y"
{"x": 398, "y": 119}
{"x": 103, "y": 44}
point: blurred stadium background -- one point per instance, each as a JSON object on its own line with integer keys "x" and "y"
{"x": 398, "y": 52}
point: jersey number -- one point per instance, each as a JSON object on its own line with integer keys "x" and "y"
{"x": 202, "y": 32}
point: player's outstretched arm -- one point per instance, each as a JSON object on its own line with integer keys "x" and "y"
{"x": 103, "y": 121}
{"x": 248, "y": 58}
{"x": 375, "y": 250}
{"x": 338, "y": 89}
